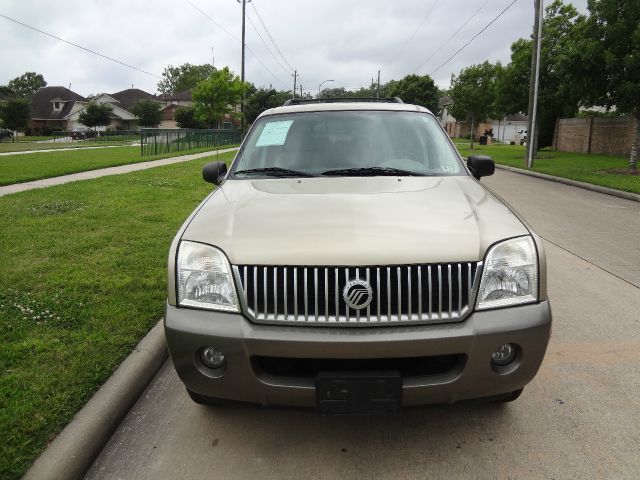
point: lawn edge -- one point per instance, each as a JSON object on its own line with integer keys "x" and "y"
{"x": 72, "y": 452}
{"x": 574, "y": 183}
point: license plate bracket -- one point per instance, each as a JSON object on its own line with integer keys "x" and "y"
{"x": 363, "y": 393}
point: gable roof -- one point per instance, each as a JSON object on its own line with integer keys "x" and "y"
{"x": 444, "y": 101}
{"x": 130, "y": 96}
{"x": 184, "y": 96}
{"x": 42, "y": 102}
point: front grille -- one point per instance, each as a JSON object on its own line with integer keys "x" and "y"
{"x": 403, "y": 294}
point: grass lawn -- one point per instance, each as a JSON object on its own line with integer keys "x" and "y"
{"x": 600, "y": 170}
{"x": 24, "y": 146}
{"x": 34, "y": 166}
{"x": 82, "y": 280}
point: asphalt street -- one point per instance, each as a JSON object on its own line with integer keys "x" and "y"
{"x": 579, "y": 418}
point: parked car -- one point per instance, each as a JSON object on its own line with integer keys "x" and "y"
{"x": 83, "y": 133}
{"x": 5, "y": 134}
{"x": 350, "y": 260}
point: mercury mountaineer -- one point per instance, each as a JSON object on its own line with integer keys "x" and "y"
{"x": 351, "y": 261}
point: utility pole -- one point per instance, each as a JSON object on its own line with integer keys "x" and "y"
{"x": 244, "y": 10}
{"x": 295, "y": 78}
{"x": 300, "y": 92}
{"x": 534, "y": 84}
{"x": 378, "y": 91}
{"x": 213, "y": 59}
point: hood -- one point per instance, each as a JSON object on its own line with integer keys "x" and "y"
{"x": 353, "y": 221}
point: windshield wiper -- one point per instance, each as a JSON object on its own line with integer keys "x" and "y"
{"x": 273, "y": 172}
{"x": 371, "y": 172}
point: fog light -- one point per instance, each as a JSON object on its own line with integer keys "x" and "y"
{"x": 212, "y": 357}
{"x": 504, "y": 355}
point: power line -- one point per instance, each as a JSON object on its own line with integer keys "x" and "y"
{"x": 213, "y": 21}
{"x": 424, "y": 19}
{"x": 439, "y": 49}
{"x": 79, "y": 46}
{"x": 474, "y": 37}
{"x": 264, "y": 25}
{"x": 235, "y": 38}
{"x": 266, "y": 45}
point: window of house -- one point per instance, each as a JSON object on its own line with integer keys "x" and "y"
{"x": 226, "y": 125}
{"x": 56, "y": 105}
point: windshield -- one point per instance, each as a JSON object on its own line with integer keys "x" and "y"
{"x": 347, "y": 143}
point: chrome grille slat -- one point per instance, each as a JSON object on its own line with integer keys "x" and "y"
{"x": 275, "y": 293}
{"x": 326, "y": 294}
{"x": 450, "y": 292}
{"x": 404, "y": 294}
{"x": 265, "y": 298}
{"x": 420, "y": 292}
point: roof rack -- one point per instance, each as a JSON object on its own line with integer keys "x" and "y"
{"x": 303, "y": 101}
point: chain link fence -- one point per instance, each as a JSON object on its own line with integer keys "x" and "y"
{"x": 154, "y": 141}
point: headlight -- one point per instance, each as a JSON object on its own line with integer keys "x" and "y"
{"x": 204, "y": 278}
{"x": 509, "y": 275}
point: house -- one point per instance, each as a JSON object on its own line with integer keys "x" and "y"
{"x": 129, "y": 97}
{"x": 444, "y": 104}
{"x": 511, "y": 128}
{"x": 50, "y": 107}
{"x": 58, "y": 108}
{"x": 121, "y": 118}
{"x": 508, "y": 129}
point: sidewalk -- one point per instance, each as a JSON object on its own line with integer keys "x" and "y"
{"x": 45, "y": 150}
{"x": 103, "y": 172}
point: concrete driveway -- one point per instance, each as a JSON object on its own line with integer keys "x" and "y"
{"x": 580, "y": 417}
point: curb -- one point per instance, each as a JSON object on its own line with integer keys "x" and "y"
{"x": 574, "y": 183}
{"x": 73, "y": 451}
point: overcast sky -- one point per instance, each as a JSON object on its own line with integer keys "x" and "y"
{"x": 347, "y": 41}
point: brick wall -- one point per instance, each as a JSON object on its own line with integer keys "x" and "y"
{"x": 607, "y": 136}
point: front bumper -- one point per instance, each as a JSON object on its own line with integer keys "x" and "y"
{"x": 241, "y": 341}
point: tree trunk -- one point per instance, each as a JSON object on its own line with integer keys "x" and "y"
{"x": 635, "y": 144}
{"x": 471, "y": 133}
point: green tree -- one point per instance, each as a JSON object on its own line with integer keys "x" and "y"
{"x": 15, "y": 114}
{"x": 186, "y": 117}
{"x": 6, "y": 91}
{"x": 27, "y": 84}
{"x": 558, "y": 95}
{"x": 262, "y": 99}
{"x": 338, "y": 92}
{"x": 606, "y": 61}
{"x": 415, "y": 89}
{"x": 473, "y": 93}
{"x": 95, "y": 115}
{"x": 512, "y": 80}
{"x": 218, "y": 96}
{"x": 148, "y": 112}
{"x": 184, "y": 77}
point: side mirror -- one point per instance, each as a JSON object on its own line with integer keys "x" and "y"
{"x": 214, "y": 172}
{"x": 481, "y": 166}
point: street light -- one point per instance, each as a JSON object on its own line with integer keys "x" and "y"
{"x": 320, "y": 86}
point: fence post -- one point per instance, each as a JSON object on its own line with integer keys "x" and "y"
{"x": 589, "y": 130}
{"x": 556, "y": 131}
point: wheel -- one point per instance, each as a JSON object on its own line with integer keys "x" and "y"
{"x": 507, "y": 397}
{"x": 204, "y": 400}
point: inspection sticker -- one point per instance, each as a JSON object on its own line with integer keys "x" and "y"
{"x": 274, "y": 133}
